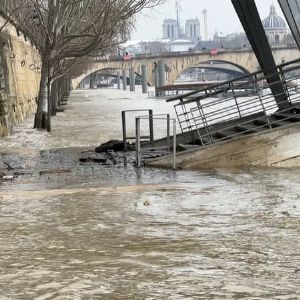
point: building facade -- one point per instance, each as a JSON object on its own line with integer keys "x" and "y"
{"x": 170, "y": 29}
{"x": 173, "y": 31}
{"x": 275, "y": 28}
{"x": 192, "y": 29}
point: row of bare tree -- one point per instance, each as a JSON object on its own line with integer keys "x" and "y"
{"x": 67, "y": 33}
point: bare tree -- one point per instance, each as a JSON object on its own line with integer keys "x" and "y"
{"x": 64, "y": 31}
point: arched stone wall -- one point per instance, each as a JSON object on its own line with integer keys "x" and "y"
{"x": 176, "y": 63}
{"x": 111, "y": 71}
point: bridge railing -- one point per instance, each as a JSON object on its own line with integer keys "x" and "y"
{"x": 243, "y": 101}
{"x": 193, "y": 52}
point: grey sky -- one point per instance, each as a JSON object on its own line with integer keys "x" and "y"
{"x": 221, "y": 16}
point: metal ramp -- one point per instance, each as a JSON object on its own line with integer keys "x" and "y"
{"x": 227, "y": 111}
{"x": 240, "y": 107}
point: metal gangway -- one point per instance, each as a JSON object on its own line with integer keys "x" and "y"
{"x": 241, "y": 106}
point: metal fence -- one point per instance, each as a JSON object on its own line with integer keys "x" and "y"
{"x": 239, "y": 102}
{"x": 159, "y": 117}
{"x": 126, "y": 138}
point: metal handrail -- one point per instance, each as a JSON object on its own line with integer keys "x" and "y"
{"x": 138, "y": 135}
{"x": 205, "y": 113}
{"x": 272, "y": 123}
{"x": 124, "y": 127}
{"x": 277, "y": 69}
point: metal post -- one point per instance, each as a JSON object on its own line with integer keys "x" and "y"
{"x": 124, "y": 130}
{"x": 151, "y": 130}
{"x": 131, "y": 80}
{"x": 138, "y": 142}
{"x": 144, "y": 79}
{"x": 235, "y": 99}
{"x": 118, "y": 80}
{"x": 252, "y": 24}
{"x": 124, "y": 79}
{"x": 291, "y": 11}
{"x": 174, "y": 144}
{"x": 168, "y": 133}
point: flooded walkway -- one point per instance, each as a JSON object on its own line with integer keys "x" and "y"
{"x": 93, "y": 231}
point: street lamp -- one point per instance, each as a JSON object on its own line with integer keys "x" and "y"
{"x": 222, "y": 36}
{"x": 144, "y": 47}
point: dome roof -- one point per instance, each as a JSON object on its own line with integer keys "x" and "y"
{"x": 273, "y": 21}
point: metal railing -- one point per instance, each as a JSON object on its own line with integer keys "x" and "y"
{"x": 224, "y": 107}
{"x": 149, "y": 137}
{"x": 139, "y": 149}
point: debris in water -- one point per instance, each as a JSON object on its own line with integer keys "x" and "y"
{"x": 54, "y": 171}
{"x": 93, "y": 159}
{"x": 114, "y": 145}
{"x": 285, "y": 213}
{"x": 8, "y": 177}
{"x": 9, "y": 167}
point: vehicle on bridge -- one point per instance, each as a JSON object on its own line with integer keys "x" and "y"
{"x": 127, "y": 56}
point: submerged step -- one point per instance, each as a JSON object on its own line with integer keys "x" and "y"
{"x": 249, "y": 128}
{"x": 226, "y": 134}
{"x": 279, "y": 123}
{"x": 261, "y": 122}
{"x": 288, "y": 117}
{"x": 182, "y": 147}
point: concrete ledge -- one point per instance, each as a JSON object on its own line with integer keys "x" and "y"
{"x": 278, "y": 148}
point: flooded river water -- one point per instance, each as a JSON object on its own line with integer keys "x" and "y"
{"x": 115, "y": 232}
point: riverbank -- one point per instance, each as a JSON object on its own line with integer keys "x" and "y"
{"x": 33, "y": 159}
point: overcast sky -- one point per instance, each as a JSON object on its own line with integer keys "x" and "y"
{"x": 221, "y": 17}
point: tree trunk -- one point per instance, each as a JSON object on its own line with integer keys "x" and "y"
{"x": 49, "y": 104}
{"x": 40, "y": 121}
{"x": 54, "y": 97}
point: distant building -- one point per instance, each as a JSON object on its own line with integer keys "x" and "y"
{"x": 192, "y": 29}
{"x": 276, "y": 28}
{"x": 170, "y": 29}
{"x": 173, "y": 31}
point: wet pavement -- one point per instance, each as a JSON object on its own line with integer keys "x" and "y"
{"x": 72, "y": 230}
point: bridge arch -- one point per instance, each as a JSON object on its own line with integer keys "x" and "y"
{"x": 224, "y": 67}
{"x": 177, "y": 62}
{"x": 106, "y": 71}
{"x": 244, "y": 70}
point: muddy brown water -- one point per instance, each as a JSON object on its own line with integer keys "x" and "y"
{"x": 141, "y": 234}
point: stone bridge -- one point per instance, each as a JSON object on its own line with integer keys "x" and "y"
{"x": 176, "y": 63}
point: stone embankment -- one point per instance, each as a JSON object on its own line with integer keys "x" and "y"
{"x": 19, "y": 78}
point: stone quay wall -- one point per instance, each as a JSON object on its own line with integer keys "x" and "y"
{"x": 19, "y": 78}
